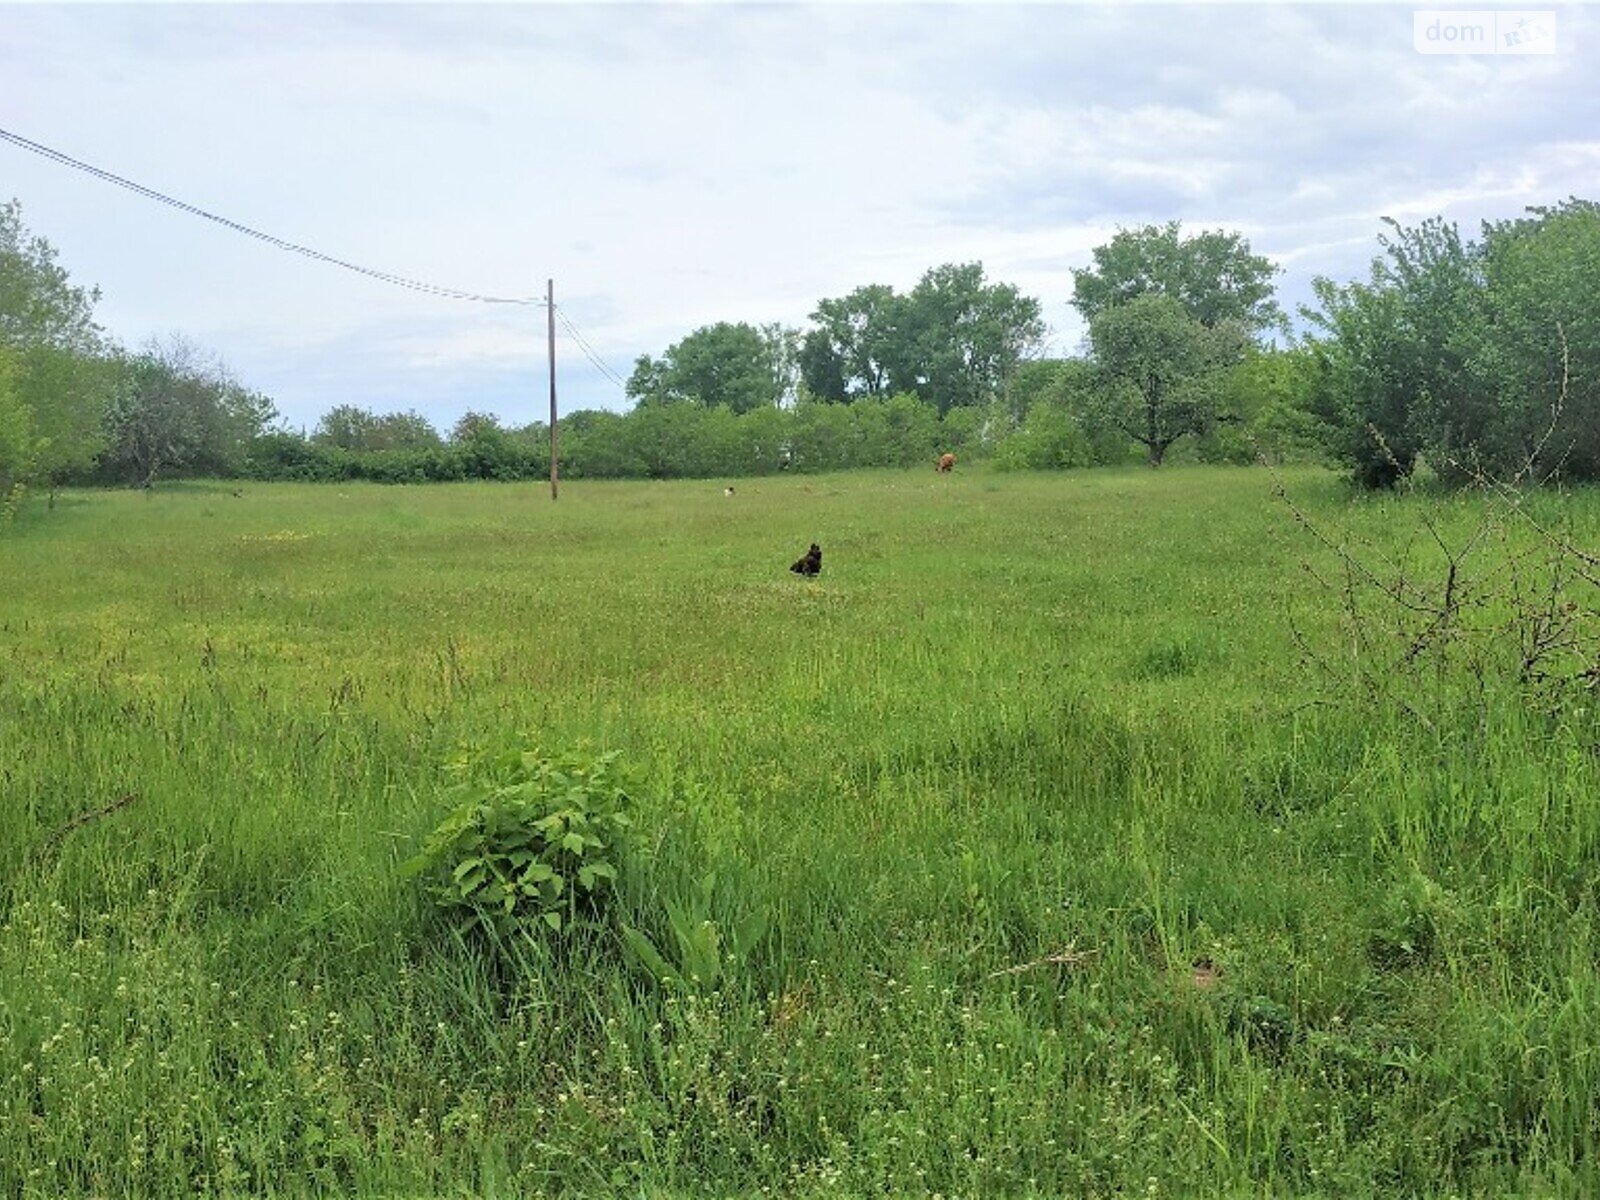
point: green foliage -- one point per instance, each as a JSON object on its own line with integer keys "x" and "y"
{"x": 1542, "y": 282}
{"x": 895, "y": 431}
{"x": 69, "y": 393}
{"x": 16, "y": 433}
{"x": 1050, "y": 438}
{"x": 964, "y": 432}
{"x": 1480, "y": 357}
{"x": 38, "y": 306}
{"x": 1163, "y": 372}
{"x": 1268, "y": 395}
{"x": 176, "y": 410}
{"x": 854, "y": 346}
{"x": 733, "y": 366}
{"x": 1212, "y": 274}
{"x": 955, "y": 340}
{"x": 534, "y": 843}
{"x": 58, "y": 377}
{"x": 1055, "y": 415}
{"x": 701, "y": 953}
{"x": 486, "y": 449}
{"x": 963, "y": 338}
{"x": 347, "y": 427}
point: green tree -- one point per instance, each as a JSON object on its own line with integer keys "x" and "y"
{"x": 1479, "y": 356}
{"x": 68, "y": 392}
{"x": 1056, "y": 416}
{"x": 1162, "y": 370}
{"x": 1268, "y": 395}
{"x": 349, "y": 427}
{"x": 177, "y": 409}
{"x": 1366, "y": 381}
{"x": 1048, "y": 439}
{"x": 405, "y": 431}
{"x": 823, "y": 436}
{"x": 1213, "y": 275}
{"x": 152, "y": 423}
{"x": 849, "y": 352}
{"x": 488, "y": 449}
{"x": 960, "y": 339}
{"x": 16, "y": 433}
{"x": 739, "y": 367}
{"x": 1539, "y": 349}
{"x": 964, "y": 432}
{"x": 597, "y": 445}
{"x": 764, "y": 441}
{"x": 60, "y": 371}
{"x": 38, "y": 304}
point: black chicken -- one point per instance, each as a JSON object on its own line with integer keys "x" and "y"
{"x": 810, "y": 563}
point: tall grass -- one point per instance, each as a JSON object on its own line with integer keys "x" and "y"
{"x": 1078, "y": 881}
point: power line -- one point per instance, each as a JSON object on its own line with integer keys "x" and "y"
{"x": 589, "y": 352}
{"x": 415, "y": 285}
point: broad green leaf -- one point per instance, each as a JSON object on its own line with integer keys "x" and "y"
{"x": 645, "y": 953}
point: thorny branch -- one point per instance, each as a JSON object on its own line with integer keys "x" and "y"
{"x": 1483, "y": 612}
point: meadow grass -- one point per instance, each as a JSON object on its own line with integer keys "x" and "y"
{"x": 1305, "y": 943}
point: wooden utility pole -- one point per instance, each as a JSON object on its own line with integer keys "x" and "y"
{"x": 550, "y": 310}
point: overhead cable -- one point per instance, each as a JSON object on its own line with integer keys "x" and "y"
{"x": 415, "y": 285}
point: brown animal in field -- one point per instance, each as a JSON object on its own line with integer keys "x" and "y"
{"x": 947, "y": 463}
{"x": 809, "y": 563}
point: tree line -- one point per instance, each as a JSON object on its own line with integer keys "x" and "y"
{"x": 1469, "y": 356}
{"x": 77, "y": 407}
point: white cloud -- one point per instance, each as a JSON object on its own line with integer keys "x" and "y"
{"x": 674, "y": 165}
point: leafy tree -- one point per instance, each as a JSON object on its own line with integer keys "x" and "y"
{"x": 893, "y": 431}
{"x": 60, "y": 373}
{"x": 596, "y": 445}
{"x": 152, "y": 422}
{"x": 176, "y": 409}
{"x": 487, "y": 448}
{"x": 1268, "y": 395}
{"x": 1213, "y": 275}
{"x": 404, "y": 431}
{"x": 763, "y": 442}
{"x": 738, "y": 367}
{"x": 822, "y": 436}
{"x": 964, "y": 432}
{"x": 68, "y": 392}
{"x": 1462, "y": 351}
{"x": 1035, "y": 381}
{"x": 349, "y": 427}
{"x": 783, "y": 345}
{"x": 1162, "y": 370}
{"x": 1048, "y": 439}
{"x": 1541, "y": 337}
{"x": 960, "y": 339}
{"x": 38, "y": 306}
{"x": 16, "y": 432}
{"x": 849, "y": 352}
{"x": 1057, "y": 416}
{"x": 954, "y": 340}
{"x": 1366, "y": 380}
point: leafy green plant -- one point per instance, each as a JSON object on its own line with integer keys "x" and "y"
{"x": 533, "y": 843}
{"x": 702, "y": 950}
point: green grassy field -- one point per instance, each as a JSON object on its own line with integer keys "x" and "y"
{"x": 1306, "y": 944}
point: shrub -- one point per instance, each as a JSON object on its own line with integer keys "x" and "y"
{"x": 533, "y": 842}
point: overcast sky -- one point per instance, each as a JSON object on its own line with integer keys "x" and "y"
{"x": 672, "y": 166}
